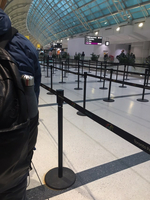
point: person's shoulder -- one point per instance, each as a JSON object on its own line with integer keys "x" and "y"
{"x": 23, "y": 43}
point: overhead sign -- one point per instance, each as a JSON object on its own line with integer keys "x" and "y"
{"x": 93, "y": 40}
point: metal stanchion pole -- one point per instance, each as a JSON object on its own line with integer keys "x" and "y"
{"x": 117, "y": 71}
{"x": 96, "y": 67}
{"x": 100, "y": 72}
{"x": 89, "y": 66}
{"x": 144, "y": 100}
{"x": 104, "y": 88}
{"x": 47, "y": 68}
{"x": 123, "y": 86}
{"x": 127, "y": 72}
{"x": 65, "y": 69}
{"x": 78, "y": 78}
{"x": 109, "y": 99}
{"x": 50, "y": 93}
{"x": 62, "y": 75}
{"x": 60, "y": 177}
{"x": 84, "y": 95}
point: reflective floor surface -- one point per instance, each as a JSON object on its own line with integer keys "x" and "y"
{"x": 106, "y": 166}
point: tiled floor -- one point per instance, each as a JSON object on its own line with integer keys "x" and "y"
{"x": 106, "y": 166}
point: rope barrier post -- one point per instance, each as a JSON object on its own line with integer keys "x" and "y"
{"x": 43, "y": 63}
{"x": 78, "y": 78}
{"x": 100, "y": 72}
{"x": 117, "y": 71}
{"x": 53, "y": 66}
{"x": 82, "y": 68}
{"x": 127, "y": 72}
{"x": 54, "y": 61}
{"x": 65, "y": 69}
{"x": 50, "y": 93}
{"x": 47, "y": 68}
{"x": 68, "y": 63}
{"x": 60, "y": 177}
{"x": 148, "y": 77}
{"x": 123, "y": 86}
{"x": 96, "y": 68}
{"x": 84, "y": 95}
{"x": 109, "y": 99}
{"x": 62, "y": 75}
{"x": 104, "y": 88}
{"x": 144, "y": 100}
{"x": 89, "y": 66}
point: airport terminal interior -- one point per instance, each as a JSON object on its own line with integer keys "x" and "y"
{"x": 96, "y": 135}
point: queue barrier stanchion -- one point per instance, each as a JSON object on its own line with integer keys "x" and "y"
{"x": 65, "y": 69}
{"x": 123, "y": 86}
{"x": 84, "y": 95}
{"x": 68, "y": 63}
{"x": 60, "y": 177}
{"x": 82, "y": 68}
{"x": 47, "y": 68}
{"x": 89, "y": 66}
{"x": 78, "y": 88}
{"x": 144, "y": 100}
{"x": 104, "y": 88}
{"x": 96, "y": 68}
{"x": 127, "y": 72}
{"x": 62, "y": 74}
{"x": 117, "y": 72}
{"x": 109, "y": 99}
{"x": 78, "y": 80}
{"x": 50, "y": 93}
{"x": 53, "y": 66}
{"x": 148, "y": 77}
{"x": 100, "y": 73}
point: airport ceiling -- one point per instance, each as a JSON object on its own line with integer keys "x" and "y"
{"x": 46, "y": 21}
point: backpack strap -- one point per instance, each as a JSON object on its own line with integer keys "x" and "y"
{"x": 4, "y": 39}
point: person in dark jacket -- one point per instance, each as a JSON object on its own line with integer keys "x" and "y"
{"x": 23, "y": 51}
{"x": 25, "y": 54}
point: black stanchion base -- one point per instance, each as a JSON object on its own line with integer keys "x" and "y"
{"x": 122, "y": 86}
{"x": 77, "y": 88}
{"x": 65, "y": 76}
{"x": 103, "y": 88}
{"x": 53, "y": 181}
{"x": 100, "y": 81}
{"x": 143, "y": 100}
{"x": 50, "y": 93}
{"x": 47, "y": 76}
{"x": 80, "y": 113}
{"x": 62, "y": 82}
{"x": 108, "y": 100}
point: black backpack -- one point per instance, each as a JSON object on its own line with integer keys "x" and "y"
{"x": 14, "y": 123}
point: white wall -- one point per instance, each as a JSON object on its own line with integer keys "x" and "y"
{"x": 76, "y": 45}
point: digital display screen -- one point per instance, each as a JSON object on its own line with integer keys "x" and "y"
{"x": 93, "y": 40}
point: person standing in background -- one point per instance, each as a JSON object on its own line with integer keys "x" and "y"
{"x": 82, "y": 55}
